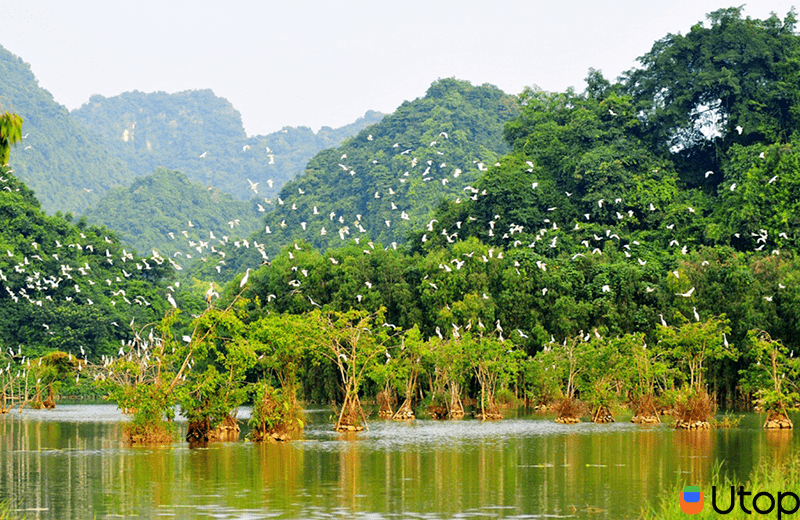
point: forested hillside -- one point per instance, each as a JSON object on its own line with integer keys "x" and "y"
{"x": 387, "y": 181}
{"x": 201, "y": 135}
{"x": 58, "y": 158}
{"x": 68, "y": 285}
{"x": 166, "y": 212}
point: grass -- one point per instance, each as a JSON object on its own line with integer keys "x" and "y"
{"x": 767, "y": 477}
{"x": 728, "y": 420}
{"x": 5, "y": 511}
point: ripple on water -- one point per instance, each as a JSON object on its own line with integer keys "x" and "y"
{"x": 428, "y": 434}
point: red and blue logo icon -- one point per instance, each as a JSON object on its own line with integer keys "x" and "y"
{"x": 692, "y": 500}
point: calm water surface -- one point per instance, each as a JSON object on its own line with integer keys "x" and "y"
{"x": 69, "y": 463}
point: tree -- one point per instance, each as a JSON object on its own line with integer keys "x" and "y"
{"x": 734, "y": 81}
{"x": 351, "y": 340}
{"x": 766, "y": 377}
{"x": 215, "y": 386}
{"x": 280, "y": 341}
{"x": 564, "y": 363}
{"x": 692, "y": 345}
{"x": 10, "y": 134}
{"x": 494, "y": 364}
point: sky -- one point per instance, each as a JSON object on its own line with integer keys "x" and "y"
{"x": 325, "y": 63}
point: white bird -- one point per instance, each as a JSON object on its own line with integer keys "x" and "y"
{"x": 739, "y": 129}
{"x": 664, "y": 323}
{"x": 687, "y": 294}
{"x": 171, "y": 300}
{"x": 244, "y": 278}
{"x": 696, "y": 316}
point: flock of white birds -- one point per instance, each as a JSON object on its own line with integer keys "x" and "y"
{"x": 38, "y": 287}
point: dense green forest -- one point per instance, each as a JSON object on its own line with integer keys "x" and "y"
{"x": 59, "y": 159}
{"x": 202, "y": 136}
{"x": 634, "y": 242}
{"x": 166, "y": 212}
{"x": 67, "y": 285}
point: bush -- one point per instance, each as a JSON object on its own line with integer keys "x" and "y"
{"x": 274, "y": 416}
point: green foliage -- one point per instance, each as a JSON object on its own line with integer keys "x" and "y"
{"x": 694, "y": 344}
{"x": 765, "y": 377}
{"x": 10, "y": 134}
{"x": 68, "y": 286}
{"x": 738, "y": 72}
{"x": 220, "y": 358}
{"x": 275, "y": 415}
{"x": 429, "y": 257}
{"x": 166, "y": 212}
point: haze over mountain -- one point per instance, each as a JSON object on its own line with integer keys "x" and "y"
{"x": 71, "y": 160}
{"x": 386, "y": 181}
{"x": 62, "y": 161}
{"x": 201, "y": 135}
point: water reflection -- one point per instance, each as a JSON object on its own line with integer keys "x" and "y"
{"x": 70, "y": 464}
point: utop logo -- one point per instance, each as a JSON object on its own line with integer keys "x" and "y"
{"x": 692, "y": 500}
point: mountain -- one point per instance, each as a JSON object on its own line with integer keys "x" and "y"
{"x": 201, "y": 135}
{"x": 176, "y": 217}
{"x": 387, "y": 180}
{"x": 59, "y": 159}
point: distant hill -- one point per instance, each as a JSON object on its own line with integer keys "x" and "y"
{"x": 59, "y": 159}
{"x": 68, "y": 285}
{"x": 387, "y": 181}
{"x": 201, "y": 134}
{"x": 176, "y": 217}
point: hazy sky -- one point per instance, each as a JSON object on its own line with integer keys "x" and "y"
{"x": 315, "y": 63}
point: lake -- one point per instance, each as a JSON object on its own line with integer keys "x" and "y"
{"x": 69, "y": 463}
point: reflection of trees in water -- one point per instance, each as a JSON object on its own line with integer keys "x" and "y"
{"x": 279, "y": 474}
{"x": 695, "y": 452}
{"x": 780, "y": 444}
